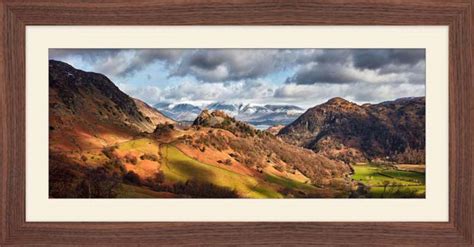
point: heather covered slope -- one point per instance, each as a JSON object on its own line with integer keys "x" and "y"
{"x": 339, "y": 129}
{"x": 87, "y": 110}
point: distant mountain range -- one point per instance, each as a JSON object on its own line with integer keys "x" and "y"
{"x": 250, "y": 113}
{"x": 179, "y": 112}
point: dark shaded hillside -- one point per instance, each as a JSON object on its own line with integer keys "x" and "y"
{"x": 339, "y": 129}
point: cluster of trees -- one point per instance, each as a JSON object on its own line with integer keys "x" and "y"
{"x": 99, "y": 183}
{"x": 109, "y": 151}
{"x": 68, "y": 179}
{"x": 312, "y": 165}
{"x": 151, "y": 157}
{"x": 193, "y": 188}
{"x": 225, "y": 162}
{"x": 129, "y": 158}
{"x": 163, "y": 130}
{"x": 189, "y": 188}
{"x": 155, "y": 182}
{"x": 410, "y": 156}
{"x": 216, "y": 140}
{"x": 250, "y": 153}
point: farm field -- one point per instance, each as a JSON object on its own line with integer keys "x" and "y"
{"x": 389, "y": 182}
{"x": 411, "y": 167}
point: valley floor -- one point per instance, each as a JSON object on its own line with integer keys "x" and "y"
{"x": 391, "y": 181}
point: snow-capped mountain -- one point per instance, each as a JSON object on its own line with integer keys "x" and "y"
{"x": 230, "y": 109}
{"x": 251, "y": 113}
{"x": 290, "y": 109}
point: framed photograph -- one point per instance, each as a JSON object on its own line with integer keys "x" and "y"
{"x": 259, "y": 122}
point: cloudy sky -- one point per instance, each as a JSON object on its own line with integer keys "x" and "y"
{"x": 303, "y": 77}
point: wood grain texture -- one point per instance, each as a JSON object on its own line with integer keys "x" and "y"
{"x": 3, "y": 122}
{"x": 15, "y": 15}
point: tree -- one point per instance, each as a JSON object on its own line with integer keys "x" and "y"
{"x": 132, "y": 178}
{"x": 99, "y": 183}
{"x": 385, "y": 184}
{"x": 228, "y": 162}
{"x": 156, "y": 182}
{"x": 131, "y": 159}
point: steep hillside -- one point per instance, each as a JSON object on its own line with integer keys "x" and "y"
{"x": 339, "y": 129}
{"x": 260, "y": 150}
{"x": 87, "y": 110}
{"x": 151, "y": 113}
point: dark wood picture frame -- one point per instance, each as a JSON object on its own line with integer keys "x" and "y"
{"x": 16, "y": 15}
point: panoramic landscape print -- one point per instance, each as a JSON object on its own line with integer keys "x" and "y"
{"x": 237, "y": 123}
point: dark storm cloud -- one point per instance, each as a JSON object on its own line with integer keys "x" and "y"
{"x": 333, "y": 56}
{"x": 376, "y": 58}
{"x": 363, "y": 65}
{"x": 118, "y": 62}
{"x": 214, "y": 65}
{"x": 89, "y": 55}
{"x": 203, "y": 60}
{"x": 145, "y": 57}
{"x": 322, "y": 73}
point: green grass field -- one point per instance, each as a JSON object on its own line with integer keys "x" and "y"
{"x": 131, "y": 191}
{"x": 389, "y": 182}
{"x": 143, "y": 145}
{"x": 178, "y": 167}
{"x": 288, "y": 183}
